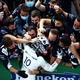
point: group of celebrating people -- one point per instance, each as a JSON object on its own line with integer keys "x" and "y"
{"x": 43, "y": 34}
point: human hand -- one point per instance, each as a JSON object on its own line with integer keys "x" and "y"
{"x": 28, "y": 37}
{"x": 42, "y": 30}
{"x": 39, "y": 33}
{"x": 58, "y": 60}
{"x": 33, "y": 72}
{"x": 72, "y": 38}
{"x": 5, "y": 7}
{"x": 58, "y": 10}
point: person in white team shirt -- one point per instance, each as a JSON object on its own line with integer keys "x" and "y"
{"x": 33, "y": 58}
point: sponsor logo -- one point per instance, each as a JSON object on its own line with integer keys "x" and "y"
{"x": 45, "y": 76}
{"x": 57, "y": 77}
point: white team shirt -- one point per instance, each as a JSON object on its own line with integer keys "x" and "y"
{"x": 32, "y": 62}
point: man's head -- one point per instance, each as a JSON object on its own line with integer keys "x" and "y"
{"x": 23, "y": 12}
{"x": 8, "y": 43}
{"x": 32, "y": 31}
{"x": 52, "y": 3}
{"x": 77, "y": 23}
{"x": 9, "y": 23}
{"x": 64, "y": 41}
{"x": 53, "y": 34}
{"x": 59, "y": 20}
{"x": 35, "y": 17}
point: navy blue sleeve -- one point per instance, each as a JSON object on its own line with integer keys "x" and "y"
{"x": 19, "y": 27}
{"x": 15, "y": 12}
{"x": 3, "y": 32}
{"x": 4, "y": 59}
{"x": 71, "y": 18}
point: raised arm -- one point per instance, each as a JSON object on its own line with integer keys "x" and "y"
{"x": 18, "y": 40}
{"x": 59, "y": 10}
{"x": 39, "y": 6}
{"x": 44, "y": 22}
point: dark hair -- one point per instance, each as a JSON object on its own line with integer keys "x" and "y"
{"x": 23, "y": 7}
{"x": 32, "y": 28}
{"x": 78, "y": 18}
{"x": 60, "y": 17}
{"x": 54, "y": 31}
{"x": 35, "y": 13}
{"x": 65, "y": 40}
{"x": 6, "y": 41}
{"x": 8, "y": 21}
{"x": 53, "y": 1}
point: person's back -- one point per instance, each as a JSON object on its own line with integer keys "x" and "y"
{"x": 30, "y": 62}
{"x": 32, "y": 59}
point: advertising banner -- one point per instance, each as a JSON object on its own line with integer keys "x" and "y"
{"x": 46, "y": 76}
